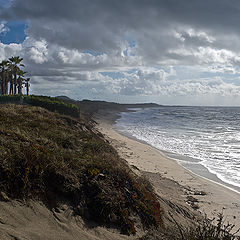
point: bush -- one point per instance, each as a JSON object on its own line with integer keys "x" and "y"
{"x": 53, "y": 104}
{"x": 9, "y": 98}
{"x": 204, "y": 230}
{"x": 49, "y": 103}
{"x": 49, "y": 156}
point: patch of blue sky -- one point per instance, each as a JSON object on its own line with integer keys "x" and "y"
{"x": 5, "y": 3}
{"x": 94, "y": 53}
{"x": 16, "y": 32}
{"x": 126, "y": 52}
{"x": 118, "y": 75}
{"x": 130, "y": 40}
{"x": 227, "y": 76}
{"x": 230, "y": 78}
{"x": 183, "y": 73}
{"x": 210, "y": 74}
{"x": 131, "y": 71}
{"x": 131, "y": 44}
{"x": 114, "y": 75}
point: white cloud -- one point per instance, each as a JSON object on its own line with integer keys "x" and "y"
{"x": 36, "y": 50}
{"x": 191, "y": 37}
{"x": 10, "y": 50}
{"x": 3, "y": 28}
{"x": 211, "y": 55}
{"x": 177, "y": 50}
{"x": 56, "y": 70}
{"x": 207, "y": 55}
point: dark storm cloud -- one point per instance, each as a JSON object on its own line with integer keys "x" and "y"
{"x": 102, "y": 25}
{"x": 146, "y": 42}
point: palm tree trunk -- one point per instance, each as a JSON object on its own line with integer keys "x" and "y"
{"x": 27, "y": 88}
{"x": 19, "y": 85}
{"x": 4, "y": 82}
{"x": 15, "y": 83}
{"x": 21, "y": 95}
{"x": 11, "y": 89}
{"x": 1, "y": 84}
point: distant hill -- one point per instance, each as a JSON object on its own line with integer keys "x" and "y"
{"x": 91, "y": 107}
{"x": 66, "y": 98}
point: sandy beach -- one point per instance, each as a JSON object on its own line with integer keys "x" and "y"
{"x": 211, "y": 198}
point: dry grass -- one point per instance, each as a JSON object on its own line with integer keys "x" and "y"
{"x": 52, "y": 157}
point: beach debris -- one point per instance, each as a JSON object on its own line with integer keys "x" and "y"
{"x": 101, "y": 176}
{"x": 4, "y": 197}
{"x": 188, "y": 190}
{"x": 202, "y": 193}
{"x": 135, "y": 167}
{"x": 235, "y": 204}
{"x": 193, "y": 202}
{"x": 195, "y": 206}
{"x": 191, "y": 199}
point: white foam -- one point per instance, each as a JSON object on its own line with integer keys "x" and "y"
{"x": 218, "y": 146}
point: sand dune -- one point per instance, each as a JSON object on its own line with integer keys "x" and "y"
{"x": 33, "y": 221}
{"x": 179, "y": 190}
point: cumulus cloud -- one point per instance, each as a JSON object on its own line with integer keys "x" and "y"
{"x": 7, "y": 51}
{"x": 101, "y": 25}
{"x": 137, "y": 47}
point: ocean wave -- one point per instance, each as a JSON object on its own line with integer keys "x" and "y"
{"x": 211, "y": 134}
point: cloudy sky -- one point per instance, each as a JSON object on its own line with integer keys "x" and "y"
{"x": 166, "y": 51}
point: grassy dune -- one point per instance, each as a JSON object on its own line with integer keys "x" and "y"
{"x": 53, "y": 157}
{"x": 58, "y": 157}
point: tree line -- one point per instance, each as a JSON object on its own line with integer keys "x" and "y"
{"x": 12, "y": 77}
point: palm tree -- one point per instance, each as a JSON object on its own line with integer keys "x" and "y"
{"x": 20, "y": 81}
{"x": 16, "y": 62}
{"x": 27, "y": 85}
{"x": 4, "y": 79}
{"x": 10, "y": 72}
{"x": 10, "y": 77}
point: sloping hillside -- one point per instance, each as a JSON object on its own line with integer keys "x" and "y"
{"x": 60, "y": 179}
{"x": 55, "y": 158}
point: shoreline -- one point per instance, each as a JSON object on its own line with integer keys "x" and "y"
{"x": 219, "y": 198}
{"x": 178, "y": 158}
{"x": 202, "y": 171}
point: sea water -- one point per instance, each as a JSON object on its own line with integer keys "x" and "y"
{"x": 205, "y": 136}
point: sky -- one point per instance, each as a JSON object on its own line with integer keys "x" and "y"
{"x": 173, "y": 52}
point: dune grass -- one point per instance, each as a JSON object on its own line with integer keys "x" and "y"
{"x": 50, "y": 103}
{"x": 60, "y": 159}
{"x": 51, "y": 157}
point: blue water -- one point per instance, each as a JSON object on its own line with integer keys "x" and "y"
{"x": 209, "y": 135}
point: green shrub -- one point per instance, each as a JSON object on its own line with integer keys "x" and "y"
{"x": 9, "y": 98}
{"x": 49, "y": 156}
{"x": 49, "y": 103}
{"x": 53, "y": 104}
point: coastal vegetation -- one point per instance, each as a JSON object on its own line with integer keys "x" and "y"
{"x": 50, "y": 103}
{"x": 12, "y": 77}
{"x": 202, "y": 230}
{"x": 57, "y": 158}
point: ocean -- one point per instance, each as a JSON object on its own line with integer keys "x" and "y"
{"x": 205, "y": 140}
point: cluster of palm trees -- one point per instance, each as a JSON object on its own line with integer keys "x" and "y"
{"x": 12, "y": 77}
